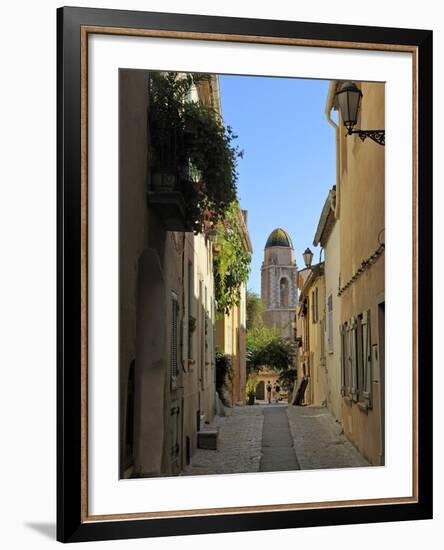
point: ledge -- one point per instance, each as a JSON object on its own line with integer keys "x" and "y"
{"x": 171, "y": 207}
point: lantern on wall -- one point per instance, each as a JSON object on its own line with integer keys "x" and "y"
{"x": 308, "y": 257}
{"x": 349, "y": 98}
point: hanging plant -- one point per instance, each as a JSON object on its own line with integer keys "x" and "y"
{"x": 213, "y": 157}
{"x": 192, "y": 151}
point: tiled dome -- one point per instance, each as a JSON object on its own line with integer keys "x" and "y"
{"x": 279, "y": 237}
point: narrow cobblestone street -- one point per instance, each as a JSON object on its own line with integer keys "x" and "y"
{"x": 277, "y": 443}
{"x": 275, "y": 438}
{"x": 239, "y": 444}
{"x": 319, "y": 441}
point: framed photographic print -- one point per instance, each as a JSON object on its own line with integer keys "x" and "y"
{"x": 244, "y": 274}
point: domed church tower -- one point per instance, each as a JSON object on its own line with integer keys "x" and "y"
{"x": 278, "y": 283}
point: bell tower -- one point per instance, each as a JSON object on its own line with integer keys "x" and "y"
{"x": 279, "y": 291}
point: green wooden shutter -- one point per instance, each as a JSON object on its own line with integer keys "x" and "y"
{"x": 342, "y": 333}
{"x": 353, "y": 363}
{"x": 367, "y": 356}
{"x": 347, "y": 358}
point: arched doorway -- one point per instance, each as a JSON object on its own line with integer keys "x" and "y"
{"x": 260, "y": 390}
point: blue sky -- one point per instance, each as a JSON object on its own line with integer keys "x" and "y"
{"x": 289, "y": 157}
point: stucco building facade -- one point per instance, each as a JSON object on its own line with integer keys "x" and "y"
{"x": 311, "y": 387}
{"x": 340, "y": 321}
{"x": 328, "y": 237}
{"x": 231, "y": 330}
{"x": 360, "y": 192}
{"x": 166, "y": 308}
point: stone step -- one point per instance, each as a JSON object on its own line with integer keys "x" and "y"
{"x": 207, "y": 439}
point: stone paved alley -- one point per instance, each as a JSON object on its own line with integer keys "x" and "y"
{"x": 275, "y": 438}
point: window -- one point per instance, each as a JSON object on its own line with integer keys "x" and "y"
{"x": 174, "y": 341}
{"x": 345, "y": 373}
{"x": 322, "y": 341}
{"x": 314, "y": 305}
{"x": 353, "y": 358}
{"x": 365, "y": 389}
{"x": 348, "y": 359}
{"x": 356, "y": 358}
{"x": 330, "y": 323}
{"x": 201, "y": 325}
{"x": 229, "y": 335}
{"x": 284, "y": 292}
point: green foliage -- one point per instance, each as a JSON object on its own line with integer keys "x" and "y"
{"x": 255, "y": 310}
{"x": 266, "y": 348}
{"x": 251, "y": 383}
{"x": 208, "y": 144}
{"x": 191, "y": 144}
{"x": 287, "y": 378}
{"x": 231, "y": 264}
{"x": 223, "y": 373}
{"x": 192, "y": 321}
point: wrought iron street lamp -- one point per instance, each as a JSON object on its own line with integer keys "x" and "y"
{"x": 349, "y": 100}
{"x": 308, "y": 257}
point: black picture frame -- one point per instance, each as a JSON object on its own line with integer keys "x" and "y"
{"x": 71, "y": 525}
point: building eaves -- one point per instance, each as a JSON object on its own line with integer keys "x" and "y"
{"x": 245, "y": 236}
{"x": 317, "y": 271}
{"x": 327, "y": 219}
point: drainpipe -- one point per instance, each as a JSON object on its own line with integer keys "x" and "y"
{"x": 328, "y": 108}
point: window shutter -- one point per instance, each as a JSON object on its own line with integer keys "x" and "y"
{"x": 315, "y": 301}
{"x": 342, "y": 357}
{"x": 330, "y": 322}
{"x": 353, "y": 364}
{"x": 347, "y": 341}
{"x": 173, "y": 341}
{"x": 367, "y": 356}
{"x": 322, "y": 340}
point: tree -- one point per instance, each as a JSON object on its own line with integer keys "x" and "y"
{"x": 267, "y": 348}
{"x": 287, "y": 379}
{"x": 255, "y": 310}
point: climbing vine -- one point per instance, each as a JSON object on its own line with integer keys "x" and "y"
{"x": 232, "y": 263}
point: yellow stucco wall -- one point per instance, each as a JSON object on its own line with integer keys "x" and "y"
{"x": 332, "y": 270}
{"x": 362, "y": 220}
{"x": 231, "y": 340}
{"x": 317, "y": 387}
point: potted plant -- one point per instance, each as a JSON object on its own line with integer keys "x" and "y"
{"x": 251, "y": 388}
{"x": 251, "y": 398}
